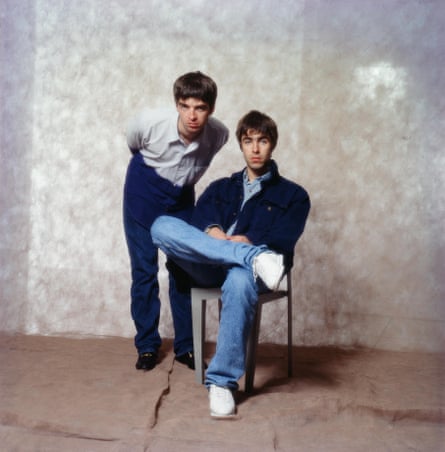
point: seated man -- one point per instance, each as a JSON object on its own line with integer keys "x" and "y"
{"x": 243, "y": 233}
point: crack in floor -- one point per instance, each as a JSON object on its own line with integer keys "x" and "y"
{"x": 162, "y": 396}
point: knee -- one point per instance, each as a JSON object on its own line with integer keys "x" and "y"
{"x": 160, "y": 229}
{"x": 241, "y": 285}
{"x": 241, "y": 277}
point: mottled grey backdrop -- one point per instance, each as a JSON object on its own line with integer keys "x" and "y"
{"x": 357, "y": 89}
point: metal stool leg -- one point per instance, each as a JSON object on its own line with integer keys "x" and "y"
{"x": 289, "y": 326}
{"x": 198, "y": 319}
{"x": 251, "y": 349}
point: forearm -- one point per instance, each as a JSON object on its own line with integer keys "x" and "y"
{"x": 240, "y": 239}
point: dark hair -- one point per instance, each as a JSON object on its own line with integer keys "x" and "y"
{"x": 198, "y": 85}
{"x": 255, "y": 120}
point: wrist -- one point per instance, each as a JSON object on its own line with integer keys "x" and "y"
{"x": 212, "y": 226}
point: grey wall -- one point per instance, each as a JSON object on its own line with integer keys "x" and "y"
{"x": 356, "y": 88}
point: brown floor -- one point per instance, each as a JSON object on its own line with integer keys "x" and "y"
{"x": 60, "y": 394}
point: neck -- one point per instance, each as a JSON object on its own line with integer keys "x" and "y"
{"x": 186, "y": 137}
{"x": 255, "y": 174}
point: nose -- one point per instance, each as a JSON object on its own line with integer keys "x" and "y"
{"x": 255, "y": 146}
{"x": 192, "y": 114}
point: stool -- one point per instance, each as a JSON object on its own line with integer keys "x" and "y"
{"x": 199, "y": 298}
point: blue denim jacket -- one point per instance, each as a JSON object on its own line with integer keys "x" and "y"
{"x": 276, "y": 216}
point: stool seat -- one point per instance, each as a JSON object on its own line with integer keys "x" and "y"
{"x": 200, "y": 296}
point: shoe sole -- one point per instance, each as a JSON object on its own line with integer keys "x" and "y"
{"x": 276, "y": 286}
{"x": 185, "y": 364}
{"x": 228, "y": 417}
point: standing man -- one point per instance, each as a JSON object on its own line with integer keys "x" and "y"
{"x": 243, "y": 233}
{"x": 171, "y": 151}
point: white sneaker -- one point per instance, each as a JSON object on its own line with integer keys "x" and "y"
{"x": 221, "y": 401}
{"x": 270, "y": 268}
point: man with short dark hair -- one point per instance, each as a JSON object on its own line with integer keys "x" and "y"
{"x": 242, "y": 238}
{"x": 171, "y": 151}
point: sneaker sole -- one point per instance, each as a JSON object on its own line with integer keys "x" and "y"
{"x": 224, "y": 416}
{"x": 277, "y": 286}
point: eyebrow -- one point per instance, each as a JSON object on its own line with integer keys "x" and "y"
{"x": 201, "y": 105}
{"x": 261, "y": 137}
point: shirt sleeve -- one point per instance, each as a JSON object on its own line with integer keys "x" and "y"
{"x": 138, "y": 130}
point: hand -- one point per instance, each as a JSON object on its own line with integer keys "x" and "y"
{"x": 217, "y": 233}
{"x": 239, "y": 238}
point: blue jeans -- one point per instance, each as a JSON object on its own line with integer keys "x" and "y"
{"x": 145, "y": 302}
{"x": 147, "y": 196}
{"x": 211, "y": 262}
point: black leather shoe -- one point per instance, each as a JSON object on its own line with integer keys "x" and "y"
{"x": 188, "y": 359}
{"x": 147, "y": 361}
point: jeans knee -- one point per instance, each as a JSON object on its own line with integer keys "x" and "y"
{"x": 241, "y": 285}
{"x": 159, "y": 229}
